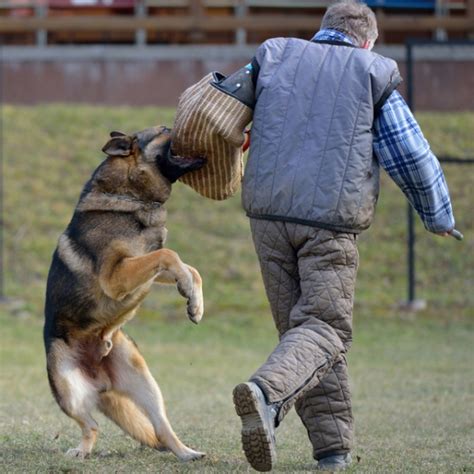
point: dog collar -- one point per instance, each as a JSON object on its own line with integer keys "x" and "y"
{"x": 99, "y": 201}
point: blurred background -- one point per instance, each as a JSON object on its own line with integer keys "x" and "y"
{"x": 143, "y": 52}
{"x": 73, "y": 70}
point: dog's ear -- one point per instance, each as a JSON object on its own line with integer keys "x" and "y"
{"x": 173, "y": 166}
{"x": 118, "y": 146}
{"x": 115, "y": 133}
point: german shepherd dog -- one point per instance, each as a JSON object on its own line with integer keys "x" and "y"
{"x": 103, "y": 267}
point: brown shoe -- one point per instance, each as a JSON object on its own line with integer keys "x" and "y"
{"x": 258, "y": 426}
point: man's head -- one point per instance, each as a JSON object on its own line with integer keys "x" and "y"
{"x": 353, "y": 18}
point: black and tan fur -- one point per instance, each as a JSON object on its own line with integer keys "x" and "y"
{"x": 105, "y": 264}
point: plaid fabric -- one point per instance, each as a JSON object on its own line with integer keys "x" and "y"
{"x": 334, "y": 35}
{"x": 404, "y": 153}
{"x": 210, "y": 123}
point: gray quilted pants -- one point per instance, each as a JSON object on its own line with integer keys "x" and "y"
{"x": 309, "y": 276}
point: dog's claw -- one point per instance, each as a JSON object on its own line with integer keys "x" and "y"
{"x": 192, "y": 319}
{"x": 191, "y": 289}
{"x": 194, "y": 310}
{"x": 194, "y": 316}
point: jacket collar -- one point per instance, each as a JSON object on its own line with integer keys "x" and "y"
{"x": 331, "y": 36}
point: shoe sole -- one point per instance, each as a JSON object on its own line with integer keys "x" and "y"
{"x": 256, "y": 440}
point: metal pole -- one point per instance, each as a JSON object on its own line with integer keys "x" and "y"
{"x": 411, "y": 256}
{"x": 409, "y": 59}
{"x": 2, "y": 223}
{"x": 411, "y": 224}
{"x": 412, "y": 303}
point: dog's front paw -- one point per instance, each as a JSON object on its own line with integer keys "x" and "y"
{"x": 77, "y": 453}
{"x": 191, "y": 289}
{"x": 195, "y": 306}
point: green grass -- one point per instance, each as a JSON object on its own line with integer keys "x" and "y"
{"x": 50, "y": 151}
{"x": 412, "y": 375}
{"x": 412, "y": 390}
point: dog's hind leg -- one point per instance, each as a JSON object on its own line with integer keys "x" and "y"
{"x": 89, "y": 436}
{"x": 130, "y": 377}
{"x": 125, "y": 413}
{"x": 75, "y": 394}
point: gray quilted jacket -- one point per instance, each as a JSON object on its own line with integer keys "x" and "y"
{"x": 311, "y": 159}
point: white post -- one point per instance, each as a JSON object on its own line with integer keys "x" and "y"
{"x": 41, "y": 11}
{"x": 140, "y": 12}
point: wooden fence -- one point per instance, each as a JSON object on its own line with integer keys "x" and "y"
{"x": 203, "y": 21}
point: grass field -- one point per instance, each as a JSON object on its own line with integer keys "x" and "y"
{"x": 412, "y": 375}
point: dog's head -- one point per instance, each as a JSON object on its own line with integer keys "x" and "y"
{"x": 142, "y": 163}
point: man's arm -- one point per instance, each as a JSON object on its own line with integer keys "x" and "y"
{"x": 404, "y": 153}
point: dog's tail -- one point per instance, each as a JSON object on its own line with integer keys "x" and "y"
{"x": 122, "y": 411}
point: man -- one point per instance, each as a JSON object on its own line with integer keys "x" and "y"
{"x": 327, "y": 115}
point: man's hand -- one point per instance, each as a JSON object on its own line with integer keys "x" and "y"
{"x": 453, "y": 233}
{"x": 246, "y": 144}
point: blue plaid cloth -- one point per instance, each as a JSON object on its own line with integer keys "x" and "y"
{"x": 332, "y": 35}
{"x": 405, "y": 155}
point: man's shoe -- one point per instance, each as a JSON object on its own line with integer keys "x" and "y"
{"x": 336, "y": 462}
{"x": 258, "y": 425}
